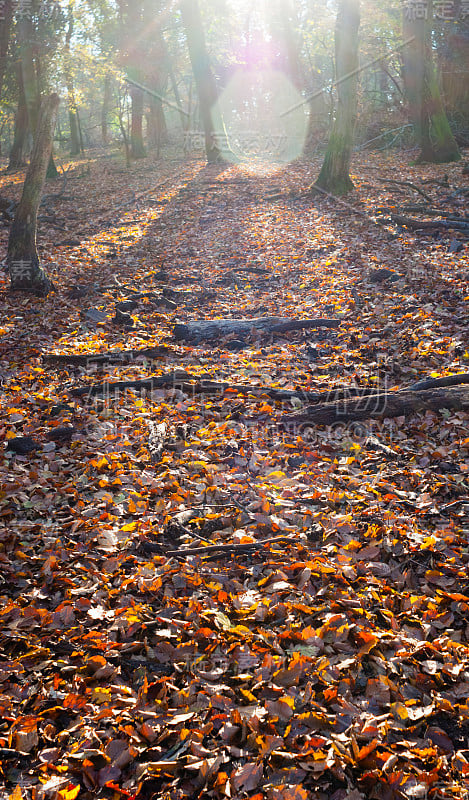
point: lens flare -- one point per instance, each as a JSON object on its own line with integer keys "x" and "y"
{"x": 248, "y": 113}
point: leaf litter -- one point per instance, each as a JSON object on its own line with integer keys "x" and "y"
{"x": 319, "y": 648}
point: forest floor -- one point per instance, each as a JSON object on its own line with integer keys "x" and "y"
{"x": 330, "y": 664}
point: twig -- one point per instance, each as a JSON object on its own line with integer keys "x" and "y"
{"x": 410, "y": 185}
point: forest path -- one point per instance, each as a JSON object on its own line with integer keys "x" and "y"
{"x": 334, "y": 661}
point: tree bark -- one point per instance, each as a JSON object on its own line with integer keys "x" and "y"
{"x": 30, "y": 77}
{"x": 6, "y": 19}
{"x": 334, "y": 177}
{"x": 22, "y": 258}
{"x": 75, "y": 148}
{"x": 381, "y": 406}
{"x": 157, "y": 131}
{"x": 200, "y": 330}
{"x": 21, "y": 126}
{"x": 173, "y": 81}
{"x": 137, "y": 147}
{"x": 105, "y": 110}
{"x": 426, "y": 110}
{"x": 31, "y": 82}
{"x": 204, "y": 78}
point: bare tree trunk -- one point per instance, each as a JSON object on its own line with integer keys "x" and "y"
{"x": 21, "y": 126}
{"x": 30, "y": 69}
{"x": 105, "y": 110}
{"x": 75, "y": 148}
{"x": 204, "y": 78}
{"x": 426, "y": 111}
{"x": 290, "y": 44}
{"x": 6, "y": 18}
{"x": 72, "y": 109}
{"x": 174, "y": 86}
{"x": 80, "y": 133}
{"x": 23, "y": 261}
{"x": 157, "y": 131}
{"x": 124, "y": 130}
{"x": 334, "y": 177}
{"x": 137, "y": 147}
{"x": 30, "y": 78}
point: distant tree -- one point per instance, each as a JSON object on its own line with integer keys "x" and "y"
{"x": 20, "y": 135}
{"x": 334, "y": 176}
{"x": 133, "y": 59}
{"x": 426, "y": 110}
{"x": 203, "y": 74}
{"x": 75, "y": 144}
{"x": 38, "y": 32}
{"x": 6, "y": 19}
{"x": 107, "y": 96}
{"x": 453, "y": 68}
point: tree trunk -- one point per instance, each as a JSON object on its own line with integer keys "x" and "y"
{"x": 52, "y": 172}
{"x": 334, "y": 177}
{"x": 204, "y": 78}
{"x": 105, "y": 110}
{"x": 291, "y": 46}
{"x": 72, "y": 110}
{"x": 6, "y": 18}
{"x": 75, "y": 148}
{"x": 30, "y": 78}
{"x": 174, "y": 86}
{"x": 22, "y": 258}
{"x": 426, "y": 111}
{"x": 157, "y": 130}
{"x": 21, "y": 126}
{"x": 137, "y": 147}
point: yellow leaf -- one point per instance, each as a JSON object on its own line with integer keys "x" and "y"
{"x": 131, "y": 526}
{"x": 16, "y": 794}
{"x": 429, "y": 543}
{"x": 399, "y": 711}
{"x": 100, "y": 696}
{"x": 70, "y": 793}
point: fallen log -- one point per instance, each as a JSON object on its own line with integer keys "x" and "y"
{"x": 417, "y": 224}
{"x": 379, "y": 406}
{"x": 193, "y": 384}
{"x": 115, "y": 387}
{"x": 109, "y": 357}
{"x": 227, "y": 549}
{"x": 199, "y": 330}
{"x": 199, "y": 384}
{"x": 439, "y": 383}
